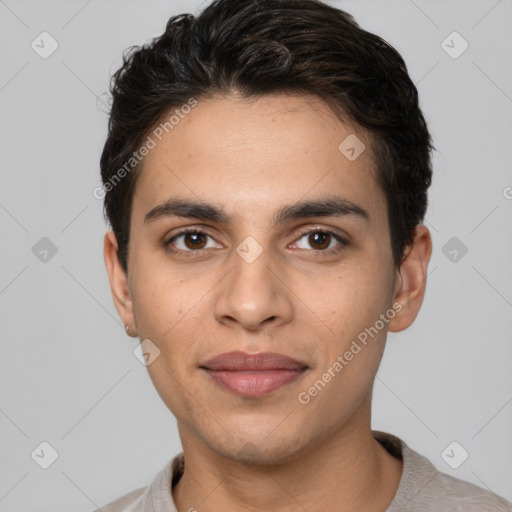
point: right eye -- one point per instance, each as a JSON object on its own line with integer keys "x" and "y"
{"x": 190, "y": 240}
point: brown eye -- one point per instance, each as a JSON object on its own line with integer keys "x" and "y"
{"x": 194, "y": 240}
{"x": 188, "y": 241}
{"x": 319, "y": 240}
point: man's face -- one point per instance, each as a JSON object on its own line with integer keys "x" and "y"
{"x": 254, "y": 282}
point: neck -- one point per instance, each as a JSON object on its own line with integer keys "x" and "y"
{"x": 347, "y": 470}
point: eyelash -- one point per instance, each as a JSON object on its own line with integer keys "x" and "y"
{"x": 190, "y": 253}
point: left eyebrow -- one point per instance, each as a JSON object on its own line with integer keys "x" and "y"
{"x": 334, "y": 206}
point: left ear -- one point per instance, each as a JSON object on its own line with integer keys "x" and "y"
{"x": 411, "y": 279}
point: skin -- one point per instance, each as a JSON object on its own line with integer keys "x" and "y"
{"x": 251, "y": 158}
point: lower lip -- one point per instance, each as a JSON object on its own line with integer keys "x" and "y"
{"x": 253, "y": 383}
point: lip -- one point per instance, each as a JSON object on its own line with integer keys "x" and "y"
{"x": 253, "y": 375}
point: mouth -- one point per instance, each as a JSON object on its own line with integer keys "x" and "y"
{"x": 253, "y": 375}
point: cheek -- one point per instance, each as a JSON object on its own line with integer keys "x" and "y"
{"x": 170, "y": 310}
{"x": 161, "y": 298}
{"x": 351, "y": 348}
{"x": 347, "y": 302}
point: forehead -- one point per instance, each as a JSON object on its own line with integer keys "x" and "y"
{"x": 272, "y": 150}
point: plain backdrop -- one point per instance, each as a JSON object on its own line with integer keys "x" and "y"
{"x": 68, "y": 375}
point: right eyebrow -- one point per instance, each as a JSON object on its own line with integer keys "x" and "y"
{"x": 186, "y": 208}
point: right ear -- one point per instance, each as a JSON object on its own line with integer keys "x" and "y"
{"x": 119, "y": 283}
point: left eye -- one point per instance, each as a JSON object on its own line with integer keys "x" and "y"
{"x": 320, "y": 240}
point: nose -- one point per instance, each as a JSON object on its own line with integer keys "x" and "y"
{"x": 253, "y": 295}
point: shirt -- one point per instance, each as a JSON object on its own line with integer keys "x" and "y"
{"x": 422, "y": 487}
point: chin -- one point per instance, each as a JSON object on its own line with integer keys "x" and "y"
{"x": 260, "y": 451}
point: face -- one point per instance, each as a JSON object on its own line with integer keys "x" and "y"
{"x": 289, "y": 254}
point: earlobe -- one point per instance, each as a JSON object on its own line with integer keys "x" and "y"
{"x": 411, "y": 279}
{"x": 119, "y": 283}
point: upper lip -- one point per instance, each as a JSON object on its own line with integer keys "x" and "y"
{"x": 243, "y": 361}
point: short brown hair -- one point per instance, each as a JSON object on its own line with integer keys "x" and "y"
{"x": 258, "y": 47}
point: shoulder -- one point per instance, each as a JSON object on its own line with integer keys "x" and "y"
{"x": 456, "y": 494}
{"x": 423, "y": 488}
{"x": 158, "y": 493}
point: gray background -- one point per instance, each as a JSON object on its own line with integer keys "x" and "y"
{"x": 68, "y": 375}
